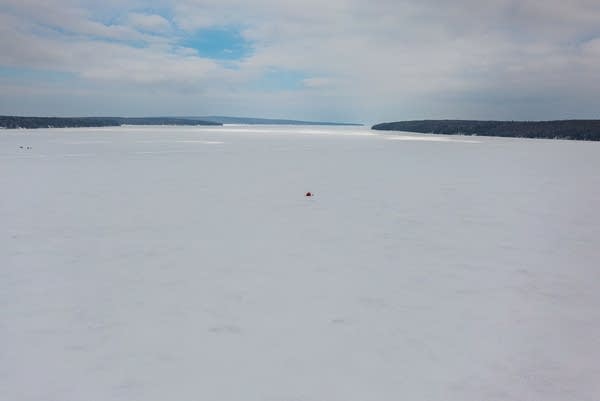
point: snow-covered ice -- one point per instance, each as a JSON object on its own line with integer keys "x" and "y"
{"x": 185, "y": 263}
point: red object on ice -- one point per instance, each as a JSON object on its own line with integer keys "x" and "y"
{"x": 309, "y": 194}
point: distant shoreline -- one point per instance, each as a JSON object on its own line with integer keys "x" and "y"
{"x": 269, "y": 121}
{"x": 583, "y": 130}
{"x": 16, "y": 122}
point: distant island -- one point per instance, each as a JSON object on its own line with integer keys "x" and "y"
{"x": 585, "y": 130}
{"x": 267, "y": 121}
{"x": 72, "y": 122}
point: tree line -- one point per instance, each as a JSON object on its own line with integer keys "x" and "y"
{"x": 586, "y": 130}
{"x": 71, "y": 122}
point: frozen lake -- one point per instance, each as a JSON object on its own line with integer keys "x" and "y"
{"x": 185, "y": 263}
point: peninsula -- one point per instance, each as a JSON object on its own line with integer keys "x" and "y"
{"x": 585, "y": 130}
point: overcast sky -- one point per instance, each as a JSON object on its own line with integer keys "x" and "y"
{"x": 352, "y": 60}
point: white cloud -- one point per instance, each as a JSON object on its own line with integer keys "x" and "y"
{"x": 372, "y": 60}
{"x": 148, "y": 22}
{"x": 317, "y": 82}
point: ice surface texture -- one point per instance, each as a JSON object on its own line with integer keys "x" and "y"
{"x": 162, "y": 263}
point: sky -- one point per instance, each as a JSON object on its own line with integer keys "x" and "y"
{"x": 335, "y": 60}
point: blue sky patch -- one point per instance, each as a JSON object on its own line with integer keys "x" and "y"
{"x": 219, "y": 44}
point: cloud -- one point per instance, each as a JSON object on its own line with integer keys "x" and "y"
{"x": 317, "y": 82}
{"x": 148, "y": 22}
{"x": 349, "y": 59}
{"x": 56, "y": 16}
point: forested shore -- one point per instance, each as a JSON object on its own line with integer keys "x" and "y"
{"x": 587, "y": 130}
{"x": 71, "y": 122}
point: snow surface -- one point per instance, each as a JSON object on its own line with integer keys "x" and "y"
{"x": 185, "y": 263}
